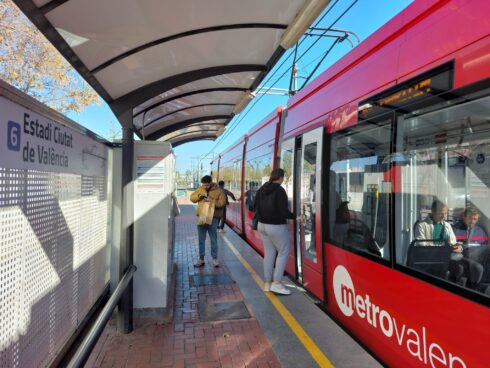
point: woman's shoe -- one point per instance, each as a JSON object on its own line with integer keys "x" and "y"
{"x": 267, "y": 286}
{"x": 279, "y": 288}
{"x": 199, "y": 263}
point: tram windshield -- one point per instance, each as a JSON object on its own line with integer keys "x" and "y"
{"x": 442, "y": 203}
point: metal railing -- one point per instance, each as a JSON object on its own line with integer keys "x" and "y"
{"x": 84, "y": 350}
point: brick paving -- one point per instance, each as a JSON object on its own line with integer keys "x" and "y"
{"x": 187, "y": 342}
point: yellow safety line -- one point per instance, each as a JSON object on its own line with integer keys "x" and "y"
{"x": 308, "y": 343}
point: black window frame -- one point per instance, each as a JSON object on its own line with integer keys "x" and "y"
{"x": 457, "y": 96}
{"x": 373, "y": 121}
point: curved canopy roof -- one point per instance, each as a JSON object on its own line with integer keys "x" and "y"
{"x": 168, "y": 67}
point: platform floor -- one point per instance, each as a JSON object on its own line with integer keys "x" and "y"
{"x": 279, "y": 331}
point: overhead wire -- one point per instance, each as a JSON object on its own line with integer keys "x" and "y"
{"x": 318, "y": 39}
{"x": 236, "y": 122}
{"x": 256, "y": 100}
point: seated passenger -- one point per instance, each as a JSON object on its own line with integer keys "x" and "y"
{"x": 436, "y": 230}
{"x": 468, "y": 232}
{"x": 342, "y": 223}
{"x": 474, "y": 240}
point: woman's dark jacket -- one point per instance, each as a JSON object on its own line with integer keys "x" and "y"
{"x": 271, "y": 204}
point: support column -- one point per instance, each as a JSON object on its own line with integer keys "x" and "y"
{"x": 125, "y": 310}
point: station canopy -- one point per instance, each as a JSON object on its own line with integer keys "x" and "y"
{"x": 175, "y": 70}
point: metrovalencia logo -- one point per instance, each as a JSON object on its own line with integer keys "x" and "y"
{"x": 353, "y": 304}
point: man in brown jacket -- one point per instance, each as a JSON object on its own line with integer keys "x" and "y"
{"x": 211, "y": 192}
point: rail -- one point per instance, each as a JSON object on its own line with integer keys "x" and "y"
{"x": 84, "y": 350}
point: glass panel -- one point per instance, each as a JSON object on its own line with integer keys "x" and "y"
{"x": 226, "y": 174}
{"x": 360, "y": 189}
{"x": 443, "y": 159}
{"x": 235, "y": 185}
{"x": 287, "y": 162}
{"x": 230, "y": 174}
{"x": 257, "y": 171}
{"x": 308, "y": 199}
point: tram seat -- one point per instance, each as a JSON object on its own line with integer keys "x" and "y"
{"x": 360, "y": 237}
{"x": 485, "y": 261}
{"x": 432, "y": 259}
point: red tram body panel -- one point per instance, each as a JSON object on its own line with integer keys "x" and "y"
{"x": 399, "y": 122}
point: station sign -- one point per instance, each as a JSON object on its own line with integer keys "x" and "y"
{"x": 34, "y": 142}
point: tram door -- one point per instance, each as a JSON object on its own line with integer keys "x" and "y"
{"x": 290, "y": 161}
{"x": 309, "y": 210}
{"x": 301, "y": 161}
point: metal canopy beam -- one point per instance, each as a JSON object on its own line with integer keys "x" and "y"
{"x": 204, "y": 132}
{"x": 209, "y": 138}
{"x": 38, "y": 18}
{"x": 57, "y": 17}
{"x": 185, "y": 34}
{"x": 169, "y": 129}
{"x": 191, "y": 93}
{"x": 125, "y": 310}
{"x": 183, "y": 109}
{"x": 140, "y": 95}
{"x": 46, "y": 8}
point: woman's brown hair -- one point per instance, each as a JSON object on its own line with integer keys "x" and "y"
{"x": 276, "y": 174}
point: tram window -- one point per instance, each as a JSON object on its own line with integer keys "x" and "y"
{"x": 308, "y": 199}
{"x": 287, "y": 166}
{"x": 237, "y": 179}
{"x": 443, "y": 160}
{"x": 360, "y": 189}
{"x": 257, "y": 171}
{"x": 226, "y": 174}
{"x": 230, "y": 174}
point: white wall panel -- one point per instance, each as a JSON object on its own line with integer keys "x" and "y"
{"x": 52, "y": 260}
{"x": 53, "y": 237}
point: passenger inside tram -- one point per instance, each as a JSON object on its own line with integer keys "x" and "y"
{"x": 342, "y": 222}
{"x": 443, "y": 152}
{"x": 435, "y": 231}
{"x": 474, "y": 241}
{"x": 468, "y": 246}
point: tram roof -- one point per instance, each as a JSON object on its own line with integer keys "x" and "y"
{"x": 173, "y": 70}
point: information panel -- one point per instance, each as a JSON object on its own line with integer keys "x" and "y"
{"x": 150, "y": 174}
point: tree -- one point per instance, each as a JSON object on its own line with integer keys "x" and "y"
{"x": 114, "y": 132}
{"x": 30, "y": 63}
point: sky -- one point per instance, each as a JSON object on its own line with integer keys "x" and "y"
{"x": 363, "y": 18}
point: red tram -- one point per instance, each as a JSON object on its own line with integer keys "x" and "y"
{"x": 400, "y": 121}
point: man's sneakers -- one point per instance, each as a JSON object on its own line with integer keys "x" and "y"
{"x": 199, "y": 262}
{"x": 279, "y": 288}
{"x": 267, "y": 286}
{"x": 221, "y": 231}
{"x": 215, "y": 262}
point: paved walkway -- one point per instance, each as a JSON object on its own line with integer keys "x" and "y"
{"x": 188, "y": 342}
